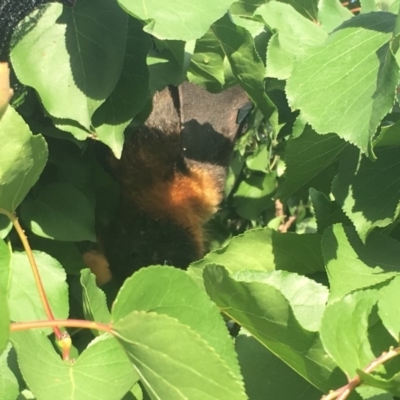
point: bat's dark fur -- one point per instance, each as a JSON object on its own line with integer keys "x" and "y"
{"x": 172, "y": 174}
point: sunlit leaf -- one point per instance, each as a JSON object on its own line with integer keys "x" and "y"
{"x": 8, "y": 382}
{"x": 187, "y": 20}
{"x": 23, "y": 297}
{"x": 102, "y": 371}
{"x": 348, "y": 84}
{"x": 23, "y": 157}
{"x": 173, "y": 361}
{"x": 155, "y": 289}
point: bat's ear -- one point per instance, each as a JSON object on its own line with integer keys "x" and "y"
{"x": 165, "y": 115}
{"x": 209, "y": 122}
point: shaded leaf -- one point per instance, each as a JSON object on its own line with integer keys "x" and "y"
{"x": 206, "y": 67}
{"x": 245, "y": 62}
{"x": 391, "y": 385}
{"x": 351, "y": 265}
{"x": 263, "y": 310}
{"x": 60, "y": 212}
{"x": 361, "y": 184}
{"x": 173, "y": 361}
{"x": 5, "y": 226}
{"x": 94, "y": 299}
{"x": 253, "y": 195}
{"x": 81, "y": 48}
{"x": 66, "y": 253}
{"x": 265, "y": 374}
{"x": 388, "y": 136}
{"x": 308, "y": 8}
{"x": 326, "y": 212}
{"x": 23, "y": 157}
{"x": 306, "y": 157}
{"x": 306, "y": 297}
{"x": 130, "y": 93}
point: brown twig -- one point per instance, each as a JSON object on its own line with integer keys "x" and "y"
{"x": 286, "y": 222}
{"x": 343, "y": 392}
{"x": 60, "y": 336}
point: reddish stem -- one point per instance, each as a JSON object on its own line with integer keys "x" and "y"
{"x": 70, "y": 323}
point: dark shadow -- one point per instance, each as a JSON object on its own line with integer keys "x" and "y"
{"x": 11, "y": 14}
{"x": 200, "y": 142}
{"x": 379, "y": 21}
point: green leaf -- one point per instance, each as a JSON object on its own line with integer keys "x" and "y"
{"x": 5, "y": 272}
{"x": 266, "y": 250}
{"x": 186, "y": 21}
{"x": 308, "y": 8}
{"x": 206, "y": 67}
{"x": 368, "y": 72}
{"x": 292, "y": 34}
{"x": 4, "y": 321}
{"x": 361, "y": 184}
{"x": 94, "y": 300}
{"x": 245, "y": 62}
{"x": 171, "y": 291}
{"x": 307, "y": 157}
{"x": 60, "y": 212}
{"x": 391, "y": 385}
{"x": 387, "y": 307}
{"x": 388, "y": 136}
{"x": 344, "y": 331}
{"x": 66, "y": 253}
{"x": 23, "y": 296}
{"x": 5, "y": 262}
{"x": 351, "y": 265}
{"x": 23, "y": 157}
{"x": 81, "y": 48}
{"x": 5, "y": 226}
{"x": 173, "y": 361}
{"x": 252, "y": 195}
{"x": 263, "y": 373}
{"x": 259, "y": 306}
{"x": 251, "y": 250}
{"x": 102, "y": 371}
{"x": 8, "y": 382}
{"x": 166, "y": 65}
{"x": 326, "y": 212}
{"x": 331, "y": 14}
{"x": 306, "y": 297}
{"x": 130, "y": 93}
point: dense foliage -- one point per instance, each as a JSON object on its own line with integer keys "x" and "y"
{"x": 306, "y": 252}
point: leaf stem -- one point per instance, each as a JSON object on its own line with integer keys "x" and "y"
{"x": 68, "y": 323}
{"x": 42, "y": 294}
{"x": 343, "y": 392}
